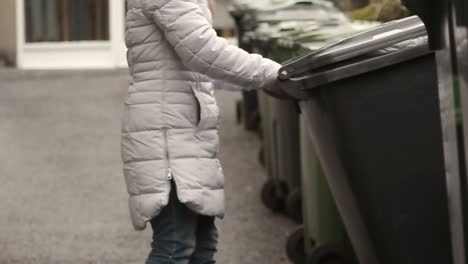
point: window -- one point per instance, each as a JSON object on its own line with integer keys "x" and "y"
{"x": 66, "y": 20}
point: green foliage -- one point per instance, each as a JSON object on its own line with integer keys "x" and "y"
{"x": 380, "y": 10}
{"x": 347, "y": 5}
{"x": 368, "y": 13}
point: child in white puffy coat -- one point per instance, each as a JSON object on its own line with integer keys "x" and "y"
{"x": 169, "y": 135}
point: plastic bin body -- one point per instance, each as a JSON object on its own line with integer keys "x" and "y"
{"x": 283, "y": 120}
{"x": 285, "y": 124}
{"x": 374, "y": 120}
{"x": 446, "y": 22}
{"x": 280, "y": 135}
{"x": 323, "y": 225}
{"x": 265, "y": 110}
{"x": 269, "y": 158}
{"x": 247, "y": 16}
{"x": 280, "y": 126}
{"x": 244, "y": 21}
{"x": 322, "y": 222}
{"x": 281, "y": 145}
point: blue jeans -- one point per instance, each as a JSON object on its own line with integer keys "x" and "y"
{"x": 181, "y": 236}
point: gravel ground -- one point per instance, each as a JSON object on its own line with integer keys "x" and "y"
{"x": 62, "y": 193}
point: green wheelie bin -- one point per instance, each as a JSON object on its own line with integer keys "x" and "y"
{"x": 323, "y": 230}
{"x": 280, "y": 146}
{"x": 248, "y": 15}
{"x": 280, "y": 131}
{"x": 280, "y": 118}
{"x": 372, "y": 108}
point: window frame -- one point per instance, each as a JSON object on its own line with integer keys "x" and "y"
{"x": 86, "y": 54}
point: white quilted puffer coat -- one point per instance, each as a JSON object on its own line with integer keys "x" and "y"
{"x": 170, "y": 120}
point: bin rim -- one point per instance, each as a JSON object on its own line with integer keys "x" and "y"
{"x": 299, "y": 88}
{"x": 370, "y": 40}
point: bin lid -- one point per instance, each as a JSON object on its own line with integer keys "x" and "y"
{"x": 350, "y": 48}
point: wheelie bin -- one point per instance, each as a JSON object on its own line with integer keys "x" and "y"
{"x": 280, "y": 124}
{"x": 323, "y": 231}
{"x": 247, "y": 16}
{"x": 247, "y": 107}
{"x": 280, "y": 134}
{"x": 274, "y": 191}
{"x": 446, "y": 23}
{"x": 372, "y": 109}
{"x": 288, "y": 143}
{"x": 284, "y": 124}
{"x": 286, "y": 112}
{"x": 282, "y": 191}
{"x": 265, "y": 155}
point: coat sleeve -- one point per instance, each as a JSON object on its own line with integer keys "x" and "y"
{"x": 195, "y": 41}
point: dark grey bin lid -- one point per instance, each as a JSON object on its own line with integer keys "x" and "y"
{"x": 373, "y": 49}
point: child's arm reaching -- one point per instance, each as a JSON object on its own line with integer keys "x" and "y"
{"x": 201, "y": 50}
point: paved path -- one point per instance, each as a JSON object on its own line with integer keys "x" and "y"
{"x": 62, "y": 194}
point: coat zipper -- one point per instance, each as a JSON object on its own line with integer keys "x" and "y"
{"x": 166, "y": 156}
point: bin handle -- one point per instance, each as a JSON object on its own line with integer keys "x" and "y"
{"x": 374, "y": 39}
{"x": 434, "y": 14}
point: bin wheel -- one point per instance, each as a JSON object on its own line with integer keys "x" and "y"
{"x": 295, "y": 246}
{"x": 261, "y": 156}
{"x": 274, "y": 195}
{"x": 294, "y": 205}
{"x": 327, "y": 254}
{"x": 239, "y": 111}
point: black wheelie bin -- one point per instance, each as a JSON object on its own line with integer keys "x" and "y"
{"x": 372, "y": 108}
{"x": 247, "y": 108}
{"x": 446, "y": 23}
